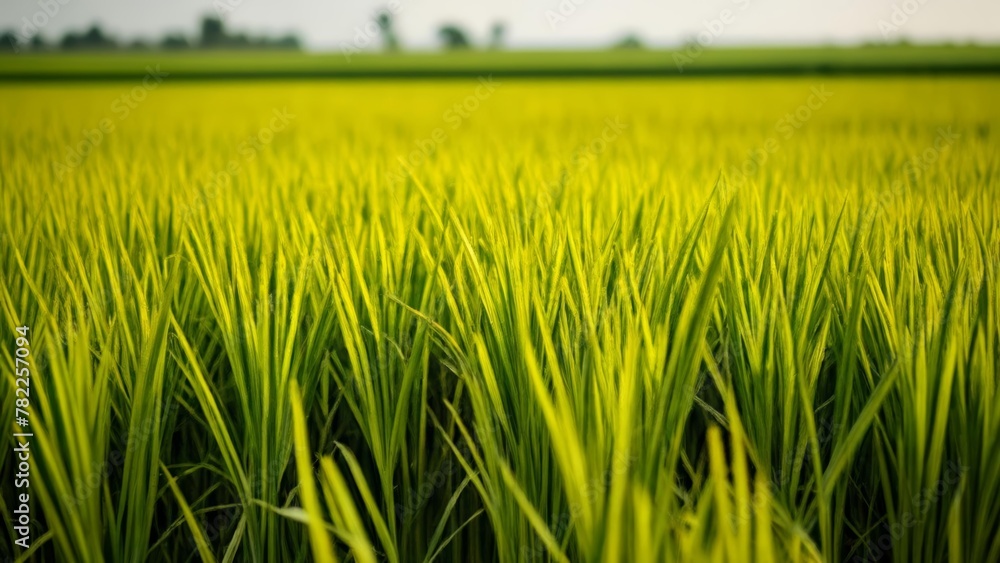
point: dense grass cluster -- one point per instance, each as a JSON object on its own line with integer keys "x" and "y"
{"x": 582, "y": 321}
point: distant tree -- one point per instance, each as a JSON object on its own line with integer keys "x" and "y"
{"x": 8, "y": 42}
{"x": 93, "y": 38}
{"x": 240, "y": 41}
{"x": 38, "y": 43}
{"x": 70, "y": 41}
{"x": 497, "y": 33}
{"x": 96, "y": 38}
{"x": 213, "y": 35}
{"x": 213, "y": 32}
{"x": 174, "y": 41}
{"x": 630, "y": 41}
{"x": 289, "y": 41}
{"x": 389, "y": 38}
{"x": 454, "y": 37}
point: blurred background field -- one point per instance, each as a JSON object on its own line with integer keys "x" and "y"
{"x": 906, "y": 59}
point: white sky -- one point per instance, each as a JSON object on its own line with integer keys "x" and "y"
{"x": 324, "y": 24}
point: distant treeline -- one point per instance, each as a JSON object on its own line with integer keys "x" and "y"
{"x": 212, "y": 35}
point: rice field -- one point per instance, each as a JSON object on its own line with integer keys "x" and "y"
{"x": 497, "y": 320}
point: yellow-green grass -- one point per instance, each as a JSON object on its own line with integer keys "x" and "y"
{"x": 576, "y": 321}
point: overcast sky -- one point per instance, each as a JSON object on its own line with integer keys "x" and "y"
{"x": 326, "y": 24}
